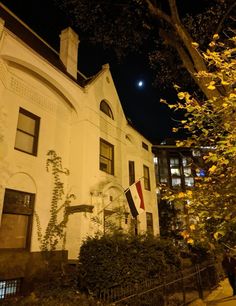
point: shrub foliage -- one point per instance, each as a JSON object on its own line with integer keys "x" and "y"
{"x": 119, "y": 259}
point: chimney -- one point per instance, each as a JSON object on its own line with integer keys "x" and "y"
{"x": 69, "y": 42}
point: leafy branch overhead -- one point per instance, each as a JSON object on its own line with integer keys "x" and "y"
{"x": 211, "y": 126}
{"x": 165, "y": 31}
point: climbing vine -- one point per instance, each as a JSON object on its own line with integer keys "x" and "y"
{"x": 55, "y": 231}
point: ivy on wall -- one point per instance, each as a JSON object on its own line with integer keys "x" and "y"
{"x": 55, "y": 231}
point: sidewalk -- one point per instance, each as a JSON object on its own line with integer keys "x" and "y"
{"x": 222, "y": 295}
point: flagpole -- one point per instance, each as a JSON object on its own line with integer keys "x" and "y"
{"x": 124, "y": 192}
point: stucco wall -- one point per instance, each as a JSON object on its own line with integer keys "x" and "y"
{"x": 72, "y": 125}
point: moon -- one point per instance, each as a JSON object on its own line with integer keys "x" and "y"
{"x": 140, "y": 83}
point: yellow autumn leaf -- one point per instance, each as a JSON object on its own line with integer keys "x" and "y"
{"x": 216, "y": 36}
{"x": 225, "y": 104}
{"x": 184, "y": 234}
{"x": 195, "y": 44}
{"x": 212, "y": 44}
{"x": 181, "y": 195}
{"x": 189, "y": 192}
{"x": 192, "y": 227}
{"x": 181, "y": 95}
{"x": 218, "y": 235}
{"x": 212, "y": 169}
{"x": 224, "y": 82}
{"x": 179, "y": 144}
{"x": 232, "y": 95}
{"x": 176, "y": 86}
{"x": 211, "y": 86}
{"x": 190, "y": 241}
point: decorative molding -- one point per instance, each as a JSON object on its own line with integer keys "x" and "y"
{"x": 2, "y": 23}
{"x": 79, "y": 208}
{"x": 3, "y": 73}
{"x": 25, "y": 91}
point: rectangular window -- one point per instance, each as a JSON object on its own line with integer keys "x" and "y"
{"x": 145, "y": 146}
{"x": 17, "y": 215}
{"x": 187, "y": 170}
{"x": 181, "y": 171}
{"x": 163, "y": 168}
{"x": 175, "y": 171}
{"x": 146, "y": 178}
{"x": 106, "y": 157}
{"x": 149, "y": 219}
{"x": 9, "y": 288}
{"x": 27, "y": 132}
{"x": 131, "y": 172}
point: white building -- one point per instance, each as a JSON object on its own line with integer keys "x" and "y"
{"x": 46, "y": 104}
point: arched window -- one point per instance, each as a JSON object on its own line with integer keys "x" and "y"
{"x": 105, "y": 108}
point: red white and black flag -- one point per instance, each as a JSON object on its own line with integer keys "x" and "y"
{"x": 134, "y": 196}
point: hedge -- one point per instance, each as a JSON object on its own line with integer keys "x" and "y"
{"x": 119, "y": 259}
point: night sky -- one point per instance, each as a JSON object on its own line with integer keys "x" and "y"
{"x": 140, "y": 103}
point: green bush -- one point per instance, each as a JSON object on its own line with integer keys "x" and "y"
{"x": 118, "y": 259}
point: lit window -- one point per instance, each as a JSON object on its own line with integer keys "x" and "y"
{"x": 106, "y": 157}
{"x": 146, "y": 178}
{"x": 175, "y": 172}
{"x": 181, "y": 171}
{"x": 187, "y": 170}
{"x": 27, "y": 132}
{"x": 131, "y": 172}
{"x": 16, "y": 220}
{"x": 9, "y": 288}
{"x": 105, "y": 108}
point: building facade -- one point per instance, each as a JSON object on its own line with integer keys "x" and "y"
{"x": 175, "y": 168}
{"x": 46, "y": 104}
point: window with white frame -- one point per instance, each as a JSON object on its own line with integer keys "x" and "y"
{"x": 106, "y": 162}
{"x": 27, "y": 132}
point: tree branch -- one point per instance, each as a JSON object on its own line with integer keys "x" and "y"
{"x": 156, "y": 12}
{"x": 219, "y": 27}
{"x": 174, "y": 11}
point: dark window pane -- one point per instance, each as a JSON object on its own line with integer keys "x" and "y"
{"x": 149, "y": 219}
{"x": 145, "y": 146}
{"x": 13, "y": 231}
{"x": 131, "y": 172}
{"x": 146, "y": 178}
{"x": 16, "y": 219}
{"x": 105, "y": 108}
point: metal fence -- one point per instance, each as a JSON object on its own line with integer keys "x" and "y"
{"x": 175, "y": 290}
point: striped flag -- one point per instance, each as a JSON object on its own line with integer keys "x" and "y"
{"x": 135, "y": 200}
